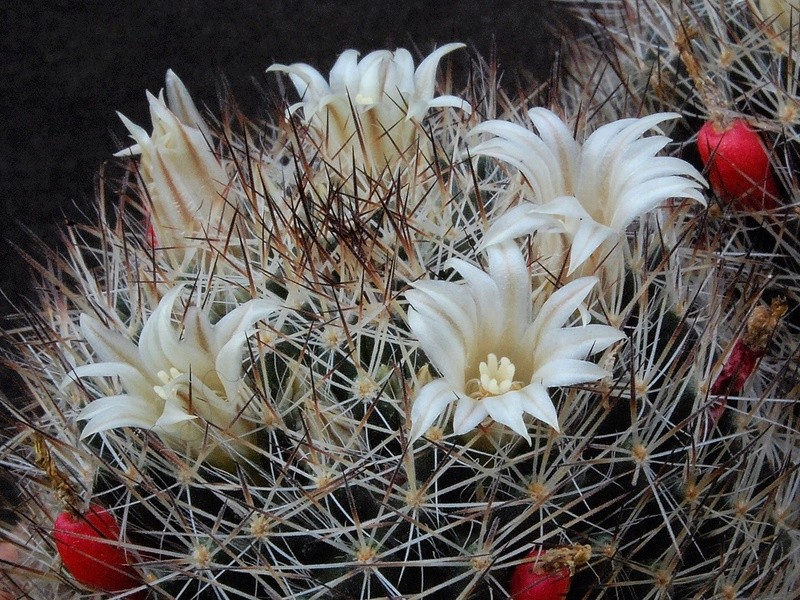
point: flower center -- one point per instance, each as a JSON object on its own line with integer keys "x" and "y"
{"x": 496, "y": 377}
{"x": 176, "y": 384}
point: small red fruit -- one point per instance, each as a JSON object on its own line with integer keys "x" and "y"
{"x": 547, "y": 574}
{"x": 738, "y": 165}
{"x": 89, "y": 546}
{"x": 736, "y": 371}
{"x": 744, "y": 356}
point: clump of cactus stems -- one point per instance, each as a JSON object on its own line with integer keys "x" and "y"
{"x": 404, "y": 340}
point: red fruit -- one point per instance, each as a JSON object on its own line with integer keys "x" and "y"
{"x": 746, "y": 352}
{"x": 736, "y": 371}
{"x": 89, "y": 546}
{"x": 738, "y": 165}
{"x": 540, "y": 578}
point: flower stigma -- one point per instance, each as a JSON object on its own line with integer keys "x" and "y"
{"x": 170, "y": 381}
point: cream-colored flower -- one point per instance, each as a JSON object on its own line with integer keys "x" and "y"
{"x": 587, "y": 193}
{"x": 496, "y": 358}
{"x": 370, "y": 108}
{"x": 179, "y": 378}
{"x": 184, "y": 180}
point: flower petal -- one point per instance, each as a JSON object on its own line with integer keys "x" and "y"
{"x": 586, "y": 238}
{"x": 110, "y": 345}
{"x": 568, "y": 371}
{"x": 557, "y": 136}
{"x": 577, "y": 342}
{"x": 541, "y": 179}
{"x": 425, "y": 75}
{"x": 536, "y": 402}
{"x": 518, "y": 221}
{"x": 442, "y": 102}
{"x": 431, "y": 401}
{"x": 123, "y": 410}
{"x": 344, "y": 74}
{"x": 448, "y": 303}
{"x": 159, "y": 346}
{"x": 648, "y": 195}
{"x": 509, "y": 270}
{"x": 486, "y": 298}
{"x": 137, "y": 133}
{"x": 173, "y": 414}
{"x": 309, "y": 83}
{"x": 134, "y": 381}
{"x": 558, "y": 308}
{"x": 468, "y": 414}
{"x": 372, "y": 77}
{"x": 442, "y": 345}
{"x": 181, "y": 104}
{"x": 508, "y": 409}
{"x": 399, "y": 84}
{"x": 230, "y": 335}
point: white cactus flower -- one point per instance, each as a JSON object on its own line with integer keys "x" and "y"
{"x": 590, "y": 193}
{"x": 370, "y": 107}
{"x": 185, "y": 182}
{"x": 176, "y": 380}
{"x": 496, "y": 358}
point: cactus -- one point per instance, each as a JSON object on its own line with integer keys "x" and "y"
{"x": 398, "y": 361}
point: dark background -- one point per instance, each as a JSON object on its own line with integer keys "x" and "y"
{"x": 68, "y": 65}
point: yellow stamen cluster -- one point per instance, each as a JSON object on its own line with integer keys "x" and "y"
{"x": 496, "y": 377}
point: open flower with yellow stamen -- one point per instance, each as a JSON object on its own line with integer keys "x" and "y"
{"x": 496, "y": 358}
{"x": 371, "y": 108}
{"x": 176, "y": 382}
{"x": 587, "y": 193}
